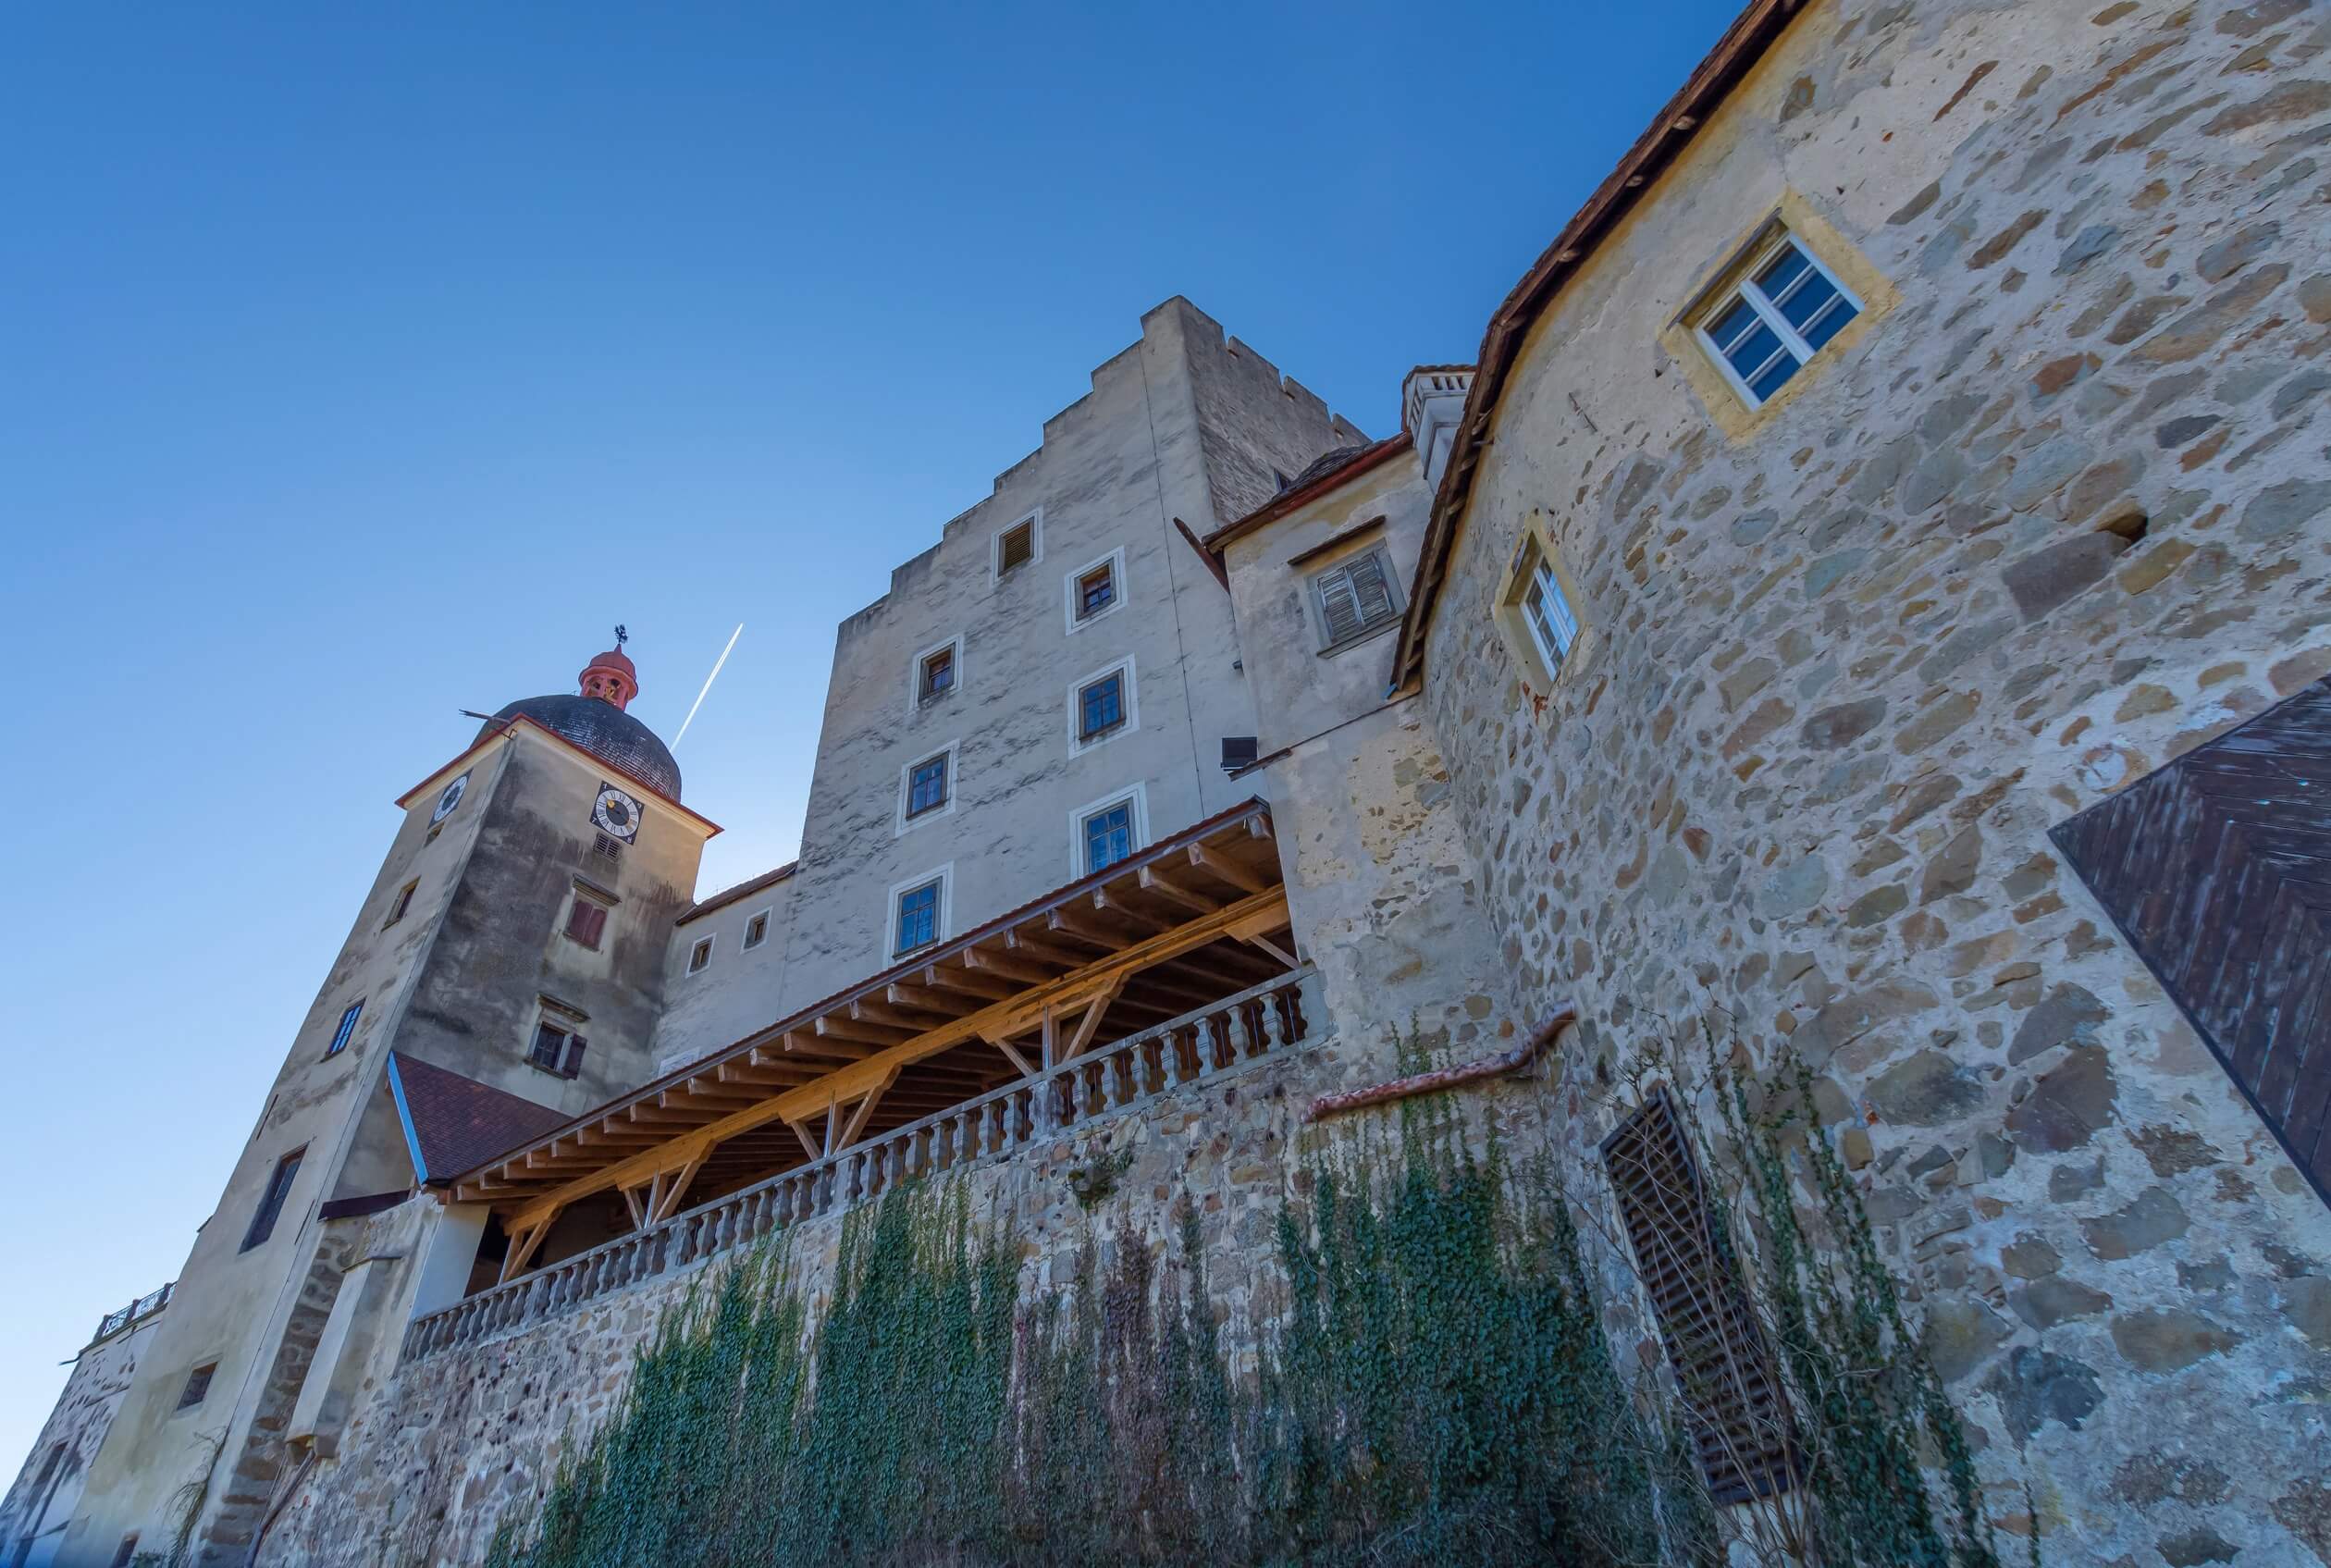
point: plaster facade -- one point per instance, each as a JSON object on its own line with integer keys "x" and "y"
{"x": 2055, "y": 519}
{"x": 47, "y": 1493}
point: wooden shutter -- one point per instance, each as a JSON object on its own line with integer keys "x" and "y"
{"x": 2217, "y": 870}
{"x": 1354, "y": 596}
{"x": 585, "y": 921}
{"x": 573, "y": 1062}
{"x": 1018, "y": 545}
{"x": 1737, "y": 1416}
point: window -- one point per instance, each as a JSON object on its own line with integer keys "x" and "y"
{"x": 1020, "y": 544}
{"x": 1763, "y": 328}
{"x": 263, "y": 1221}
{"x": 587, "y": 918}
{"x": 700, "y": 956}
{"x": 917, "y": 917}
{"x": 1237, "y": 751}
{"x": 755, "y": 930}
{"x": 1101, "y": 705}
{"x": 927, "y": 785}
{"x": 1723, "y": 1366}
{"x": 1545, "y": 611}
{"x": 346, "y": 1029}
{"x": 1355, "y": 598}
{"x": 399, "y": 905}
{"x": 128, "y": 1549}
{"x": 1103, "y": 832}
{"x": 607, "y": 848}
{"x": 1094, "y": 590}
{"x": 1108, "y": 835}
{"x": 936, "y": 675}
{"x": 197, "y": 1387}
{"x": 556, "y": 1048}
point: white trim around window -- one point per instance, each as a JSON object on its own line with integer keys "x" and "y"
{"x": 1134, "y": 795}
{"x": 1743, "y": 286}
{"x": 944, "y": 919}
{"x": 748, "y": 941}
{"x": 699, "y": 956}
{"x": 1035, "y": 521}
{"x": 915, "y": 701}
{"x": 1130, "y": 696}
{"x": 946, "y": 753}
{"x": 1072, "y": 596}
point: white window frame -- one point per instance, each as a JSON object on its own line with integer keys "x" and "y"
{"x": 1035, "y": 521}
{"x": 1535, "y": 569}
{"x": 916, "y": 702}
{"x": 1315, "y": 603}
{"x": 1070, "y": 597}
{"x": 1136, "y": 796}
{"x": 952, "y": 751}
{"x": 708, "y": 946}
{"x": 744, "y": 941}
{"x": 1742, "y": 284}
{"x": 944, "y": 922}
{"x": 1133, "y": 690}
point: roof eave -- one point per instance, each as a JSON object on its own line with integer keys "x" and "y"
{"x": 1287, "y": 502}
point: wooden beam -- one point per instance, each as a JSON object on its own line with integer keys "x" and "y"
{"x": 523, "y": 1244}
{"x": 1016, "y": 1059}
{"x": 1224, "y": 869}
{"x": 1263, "y": 911}
{"x": 801, "y": 1130}
{"x": 1276, "y": 951}
{"x": 833, "y": 1028}
{"x": 1010, "y": 968}
{"x": 1140, "y": 917}
{"x": 866, "y": 1109}
{"x": 1154, "y": 880}
{"x": 675, "y": 1187}
{"x": 1099, "y": 1005}
{"x": 1044, "y": 952}
{"x": 988, "y": 987}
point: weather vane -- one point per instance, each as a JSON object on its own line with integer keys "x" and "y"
{"x": 622, "y": 636}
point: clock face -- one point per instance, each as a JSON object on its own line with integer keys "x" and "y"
{"x": 616, "y": 812}
{"x": 450, "y": 798}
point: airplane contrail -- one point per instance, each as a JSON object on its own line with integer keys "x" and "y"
{"x": 708, "y": 683}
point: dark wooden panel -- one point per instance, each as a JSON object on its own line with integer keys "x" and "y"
{"x": 2217, "y": 870}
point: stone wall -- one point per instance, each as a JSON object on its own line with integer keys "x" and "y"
{"x": 38, "y": 1507}
{"x": 2055, "y": 519}
{"x": 436, "y": 1452}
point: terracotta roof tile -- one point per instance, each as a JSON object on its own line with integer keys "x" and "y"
{"x": 452, "y": 1123}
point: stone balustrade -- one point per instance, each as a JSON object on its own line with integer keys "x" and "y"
{"x": 1211, "y": 1042}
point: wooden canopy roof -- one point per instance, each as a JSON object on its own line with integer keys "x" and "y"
{"x": 1176, "y": 926}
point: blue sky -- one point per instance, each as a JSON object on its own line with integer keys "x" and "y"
{"x": 362, "y": 365}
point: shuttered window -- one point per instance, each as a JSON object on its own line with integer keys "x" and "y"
{"x": 263, "y": 1222}
{"x": 556, "y": 1050}
{"x": 1355, "y": 598}
{"x": 1737, "y": 1416}
{"x": 2217, "y": 870}
{"x": 1016, "y": 546}
{"x": 585, "y": 920}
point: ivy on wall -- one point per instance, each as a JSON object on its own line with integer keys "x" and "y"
{"x": 1430, "y": 1384}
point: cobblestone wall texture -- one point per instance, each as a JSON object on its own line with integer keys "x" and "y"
{"x": 1848, "y": 668}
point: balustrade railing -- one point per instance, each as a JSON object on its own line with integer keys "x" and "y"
{"x": 1213, "y": 1042}
{"x": 144, "y": 1306}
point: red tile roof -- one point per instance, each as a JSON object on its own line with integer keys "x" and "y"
{"x": 452, "y": 1123}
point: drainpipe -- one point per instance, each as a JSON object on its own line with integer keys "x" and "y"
{"x": 1514, "y": 1061}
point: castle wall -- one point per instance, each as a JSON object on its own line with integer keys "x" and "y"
{"x": 37, "y": 1508}
{"x": 1845, "y": 669}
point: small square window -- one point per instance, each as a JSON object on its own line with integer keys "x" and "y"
{"x": 197, "y": 1387}
{"x": 1096, "y": 590}
{"x": 1355, "y": 598}
{"x": 755, "y": 930}
{"x": 346, "y": 1029}
{"x": 1762, "y": 329}
{"x": 917, "y": 917}
{"x": 556, "y": 1049}
{"x": 936, "y": 677}
{"x": 1016, "y": 546}
{"x": 1108, "y": 835}
{"x": 271, "y": 1202}
{"x": 586, "y": 918}
{"x": 1101, "y": 705}
{"x": 607, "y": 848}
{"x": 700, "y": 956}
{"x": 399, "y": 905}
{"x": 1238, "y": 751}
{"x": 927, "y": 785}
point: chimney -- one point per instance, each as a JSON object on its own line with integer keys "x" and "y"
{"x": 1432, "y": 401}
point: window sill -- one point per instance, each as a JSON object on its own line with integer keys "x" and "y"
{"x": 1365, "y": 634}
{"x": 933, "y": 698}
{"x": 1079, "y": 622}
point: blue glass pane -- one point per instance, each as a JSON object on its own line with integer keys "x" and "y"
{"x": 1103, "y": 705}
{"x": 1800, "y": 305}
{"x": 1728, "y": 328}
{"x": 1751, "y": 356}
{"x": 1822, "y": 324}
{"x": 1108, "y": 837}
{"x": 1784, "y": 270}
{"x": 917, "y": 917}
{"x": 1770, "y": 382}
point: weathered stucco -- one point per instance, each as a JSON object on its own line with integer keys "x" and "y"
{"x": 47, "y": 1493}
{"x": 1851, "y": 663}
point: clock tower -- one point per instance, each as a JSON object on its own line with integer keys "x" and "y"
{"x": 504, "y": 973}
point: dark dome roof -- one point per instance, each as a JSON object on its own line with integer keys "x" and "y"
{"x": 603, "y": 730}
